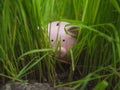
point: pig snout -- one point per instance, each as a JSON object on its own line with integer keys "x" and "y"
{"x": 62, "y": 52}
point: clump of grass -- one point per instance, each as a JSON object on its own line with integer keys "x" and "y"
{"x": 25, "y": 51}
{"x": 20, "y": 34}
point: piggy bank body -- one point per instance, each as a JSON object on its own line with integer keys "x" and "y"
{"x": 60, "y": 35}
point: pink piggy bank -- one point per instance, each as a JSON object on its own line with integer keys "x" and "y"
{"x": 59, "y": 32}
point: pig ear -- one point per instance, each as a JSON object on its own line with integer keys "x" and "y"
{"x": 73, "y": 30}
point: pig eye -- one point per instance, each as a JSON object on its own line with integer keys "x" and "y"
{"x": 58, "y": 24}
{"x": 63, "y": 40}
{"x": 52, "y": 40}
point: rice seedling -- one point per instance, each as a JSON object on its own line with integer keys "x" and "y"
{"x": 26, "y": 53}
